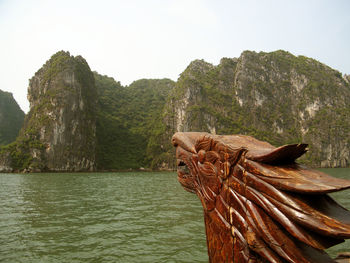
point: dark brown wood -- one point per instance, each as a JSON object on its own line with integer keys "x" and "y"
{"x": 259, "y": 205}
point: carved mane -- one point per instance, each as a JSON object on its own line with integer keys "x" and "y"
{"x": 259, "y": 205}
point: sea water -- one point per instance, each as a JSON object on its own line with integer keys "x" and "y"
{"x": 106, "y": 217}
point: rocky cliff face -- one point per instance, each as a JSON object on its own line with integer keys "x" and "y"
{"x": 273, "y": 96}
{"x": 76, "y": 115}
{"x": 59, "y": 132}
{"x": 11, "y": 118}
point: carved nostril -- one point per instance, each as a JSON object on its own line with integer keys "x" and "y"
{"x": 174, "y": 142}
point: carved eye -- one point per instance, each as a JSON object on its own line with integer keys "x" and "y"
{"x": 181, "y": 166}
{"x": 181, "y": 163}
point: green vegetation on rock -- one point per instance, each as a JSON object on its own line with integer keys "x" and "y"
{"x": 81, "y": 120}
{"x": 11, "y": 118}
{"x": 59, "y": 131}
{"x": 276, "y": 97}
{"x": 127, "y": 120}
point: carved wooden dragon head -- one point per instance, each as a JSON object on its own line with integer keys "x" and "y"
{"x": 259, "y": 205}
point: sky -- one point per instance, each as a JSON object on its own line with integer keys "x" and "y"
{"x": 133, "y": 39}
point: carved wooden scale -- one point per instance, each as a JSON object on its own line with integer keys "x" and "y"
{"x": 259, "y": 205}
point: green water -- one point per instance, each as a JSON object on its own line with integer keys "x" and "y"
{"x": 343, "y": 198}
{"x": 105, "y": 217}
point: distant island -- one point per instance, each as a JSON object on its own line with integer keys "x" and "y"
{"x": 80, "y": 120}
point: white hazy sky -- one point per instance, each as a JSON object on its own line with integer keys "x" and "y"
{"x": 134, "y": 39}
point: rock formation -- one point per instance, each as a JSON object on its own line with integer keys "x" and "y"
{"x": 59, "y": 132}
{"x": 129, "y": 123}
{"x": 275, "y": 96}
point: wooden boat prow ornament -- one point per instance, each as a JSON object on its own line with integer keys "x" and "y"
{"x": 259, "y": 204}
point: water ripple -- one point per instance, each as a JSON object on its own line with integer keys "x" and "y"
{"x": 115, "y": 217}
{"x": 103, "y": 217}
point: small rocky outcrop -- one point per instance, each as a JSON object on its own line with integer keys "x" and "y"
{"x": 59, "y": 132}
{"x": 347, "y": 78}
